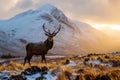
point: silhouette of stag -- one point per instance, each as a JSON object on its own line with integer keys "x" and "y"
{"x": 41, "y": 48}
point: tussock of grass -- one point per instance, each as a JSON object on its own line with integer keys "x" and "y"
{"x": 61, "y": 76}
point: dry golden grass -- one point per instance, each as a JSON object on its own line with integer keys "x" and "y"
{"x": 78, "y": 71}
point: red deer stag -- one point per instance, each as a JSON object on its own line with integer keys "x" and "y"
{"x": 41, "y": 48}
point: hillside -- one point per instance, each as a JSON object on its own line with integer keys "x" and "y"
{"x": 10, "y": 45}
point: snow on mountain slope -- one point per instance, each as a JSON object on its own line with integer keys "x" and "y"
{"x": 72, "y": 39}
{"x": 9, "y": 45}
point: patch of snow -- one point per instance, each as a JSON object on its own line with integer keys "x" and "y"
{"x": 71, "y": 64}
{"x": 94, "y": 62}
{"x": 5, "y": 75}
{"x": 33, "y": 77}
{"x": 80, "y": 62}
{"x": 49, "y": 76}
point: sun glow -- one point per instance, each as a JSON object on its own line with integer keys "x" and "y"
{"x": 15, "y": 1}
{"x": 105, "y": 26}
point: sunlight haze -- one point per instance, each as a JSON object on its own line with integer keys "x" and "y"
{"x": 106, "y": 26}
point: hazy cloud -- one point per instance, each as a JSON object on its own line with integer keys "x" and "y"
{"x": 5, "y": 6}
{"x": 98, "y": 11}
{"x": 24, "y": 4}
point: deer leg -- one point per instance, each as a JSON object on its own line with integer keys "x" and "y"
{"x": 24, "y": 61}
{"x": 29, "y": 62}
{"x": 29, "y": 58}
{"x": 44, "y": 59}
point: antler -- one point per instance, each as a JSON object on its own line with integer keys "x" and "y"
{"x": 48, "y": 32}
{"x": 55, "y": 32}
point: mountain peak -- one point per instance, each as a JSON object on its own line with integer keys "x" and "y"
{"x": 47, "y": 8}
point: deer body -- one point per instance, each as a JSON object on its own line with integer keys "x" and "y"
{"x": 40, "y": 48}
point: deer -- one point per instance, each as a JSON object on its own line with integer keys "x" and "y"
{"x": 41, "y": 48}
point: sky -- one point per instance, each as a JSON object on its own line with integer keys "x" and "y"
{"x": 101, "y": 14}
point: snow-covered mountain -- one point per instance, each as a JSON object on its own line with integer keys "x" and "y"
{"x": 9, "y": 45}
{"x": 73, "y": 38}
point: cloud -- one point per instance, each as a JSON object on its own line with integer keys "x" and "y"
{"x": 24, "y": 4}
{"x": 93, "y": 11}
{"x": 5, "y": 6}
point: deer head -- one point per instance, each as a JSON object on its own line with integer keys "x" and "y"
{"x": 49, "y": 34}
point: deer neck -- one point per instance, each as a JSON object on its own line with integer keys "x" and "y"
{"x": 49, "y": 44}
